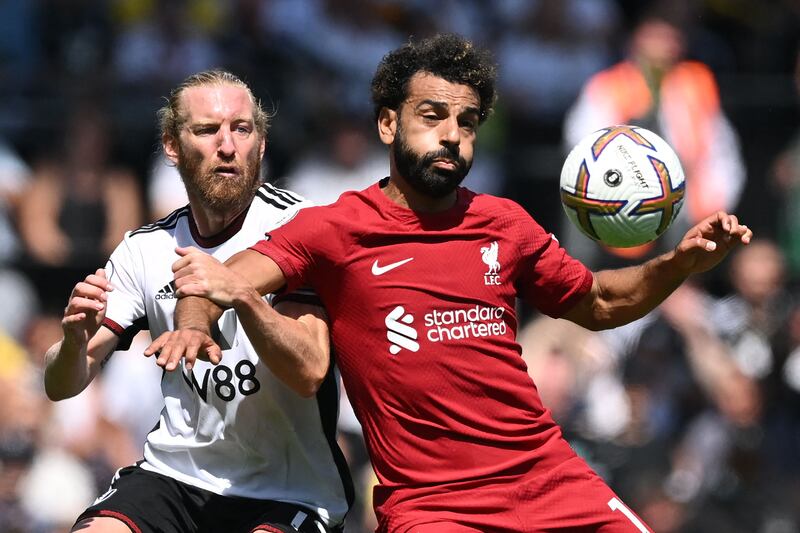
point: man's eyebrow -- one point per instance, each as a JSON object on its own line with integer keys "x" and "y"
{"x": 445, "y": 105}
{"x": 433, "y": 103}
{"x": 202, "y": 124}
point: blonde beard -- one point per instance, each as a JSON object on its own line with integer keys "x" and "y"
{"x": 220, "y": 196}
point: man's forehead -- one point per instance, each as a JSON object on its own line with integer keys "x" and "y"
{"x": 425, "y": 86}
{"x": 217, "y": 99}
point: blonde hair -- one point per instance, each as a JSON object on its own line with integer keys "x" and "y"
{"x": 171, "y": 117}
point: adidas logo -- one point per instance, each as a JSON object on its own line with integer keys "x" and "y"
{"x": 167, "y": 292}
{"x": 399, "y": 332}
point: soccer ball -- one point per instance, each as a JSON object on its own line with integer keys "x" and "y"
{"x": 622, "y": 186}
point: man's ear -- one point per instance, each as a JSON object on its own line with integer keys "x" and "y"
{"x": 387, "y": 125}
{"x": 262, "y": 149}
{"x": 170, "y": 148}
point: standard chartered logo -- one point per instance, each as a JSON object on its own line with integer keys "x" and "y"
{"x": 472, "y": 322}
{"x": 444, "y": 325}
{"x": 399, "y": 333}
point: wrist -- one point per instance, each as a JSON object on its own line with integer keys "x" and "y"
{"x": 672, "y": 268}
{"x": 73, "y": 339}
{"x": 245, "y": 298}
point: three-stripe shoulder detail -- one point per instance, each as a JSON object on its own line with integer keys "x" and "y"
{"x": 276, "y": 197}
{"x": 168, "y": 222}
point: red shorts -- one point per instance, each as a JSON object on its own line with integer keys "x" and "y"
{"x": 569, "y": 498}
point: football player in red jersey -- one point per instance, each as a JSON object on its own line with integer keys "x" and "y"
{"x": 419, "y": 277}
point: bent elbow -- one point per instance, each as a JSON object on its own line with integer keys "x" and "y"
{"x": 57, "y": 390}
{"x": 311, "y": 383}
{"x": 55, "y": 394}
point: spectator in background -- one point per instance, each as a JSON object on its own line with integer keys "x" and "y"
{"x": 656, "y": 87}
{"x": 349, "y": 161}
{"x": 750, "y": 318}
{"x": 357, "y": 33}
{"x": 19, "y": 295}
{"x": 179, "y": 33}
{"x": 546, "y": 50}
{"x": 786, "y": 176}
{"x": 80, "y": 202}
{"x": 165, "y": 190}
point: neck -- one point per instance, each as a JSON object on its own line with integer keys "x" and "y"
{"x": 211, "y": 222}
{"x": 400, "y": 192}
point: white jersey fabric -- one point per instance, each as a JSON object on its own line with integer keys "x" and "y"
{"x": 233, "y": 429}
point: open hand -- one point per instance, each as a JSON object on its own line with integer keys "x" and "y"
{"x": 187, "y": 344}
{"x": 709, "y": 242}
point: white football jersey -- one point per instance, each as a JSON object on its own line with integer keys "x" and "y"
{"x": 232, "y": 429}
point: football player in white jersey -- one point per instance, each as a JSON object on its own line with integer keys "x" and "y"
{"x": 246, "y": 440}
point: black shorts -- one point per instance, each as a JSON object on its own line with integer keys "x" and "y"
{"x": 148, "y": 502}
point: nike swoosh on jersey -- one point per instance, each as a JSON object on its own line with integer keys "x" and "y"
{"x": 378, "y": 270}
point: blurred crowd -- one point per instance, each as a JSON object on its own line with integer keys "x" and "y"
{"x": 692, "y": 413}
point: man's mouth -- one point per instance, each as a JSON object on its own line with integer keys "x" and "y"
{"x": 228, "y": 171}
{"x": 445, "y": 164}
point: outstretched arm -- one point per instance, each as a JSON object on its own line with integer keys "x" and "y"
{"x": 620, "y": 296}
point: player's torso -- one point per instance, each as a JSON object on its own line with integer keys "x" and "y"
{"x": 234, "y": 428}
{"x": 424, "y": 324}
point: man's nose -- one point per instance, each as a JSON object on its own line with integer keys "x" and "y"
{"x": 225, "y": 144}
{"x": 451, "y": 133}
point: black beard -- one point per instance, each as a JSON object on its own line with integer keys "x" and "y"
{"x": 421, "y": 175}
{"x": 220, "y": 196}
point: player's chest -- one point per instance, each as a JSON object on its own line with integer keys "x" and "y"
{"x": 474, "y": 265}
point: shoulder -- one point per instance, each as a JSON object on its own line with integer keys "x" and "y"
{"x": 503, "y": 209}
{"x": 510, "y": 219}
{"x": 166, "y": 224}
{"x": 273, "y": 206}
{"x": 274, "y": 197}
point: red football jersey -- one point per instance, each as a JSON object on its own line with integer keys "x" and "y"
{"x": 423, "y": 317}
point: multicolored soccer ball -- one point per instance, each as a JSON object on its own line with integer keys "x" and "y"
{"x": 622, "y": 186}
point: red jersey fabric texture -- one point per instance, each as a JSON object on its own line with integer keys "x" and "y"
{"x": 423, "y": 320}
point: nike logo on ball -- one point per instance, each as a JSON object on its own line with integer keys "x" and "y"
{"x": 378, "y": 270}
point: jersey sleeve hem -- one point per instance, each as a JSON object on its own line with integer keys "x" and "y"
{"x": 283, "y": 263}
{"x": 125, "y": 335}
{"x": 113, "y": 326}
{"x": 582, "y": 290}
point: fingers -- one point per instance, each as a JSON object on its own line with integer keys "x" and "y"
{"x": 732, "y": 230}
{"x": 747, "y": 236}
{"x": 88, "y": 299}
{"x": 79, "y": 304}
{"x": 184, "y": 287}
{"x": 172, "y": 346}
{"x": 189, "y": 256}
{"x": 73, "y": 319}
{"x": 213, "y": 353}
{"x": 93, "y": 286}
{"x": 157, "y": 344}
{"x": 186, "y": 250}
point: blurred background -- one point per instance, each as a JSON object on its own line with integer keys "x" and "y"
{"x": 692, "y": 414}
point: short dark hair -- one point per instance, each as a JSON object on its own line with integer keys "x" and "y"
{"x": 171, "y": 117}
{"x": 448, "y": 56}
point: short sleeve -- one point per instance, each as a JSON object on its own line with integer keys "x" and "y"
{"x": 296, "y": 247}
{"x": 551, "y": 280}
{"x": 125, "y": 313}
